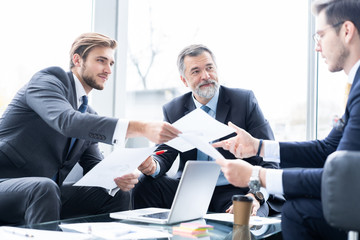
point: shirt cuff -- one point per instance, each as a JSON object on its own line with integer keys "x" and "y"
{"x": 119, "y": 136}
{"x": 157, "y": 169}
{"x": 274, "y": 183}
{"x": 271, "y": 151}
{"x": 264, "y": 193}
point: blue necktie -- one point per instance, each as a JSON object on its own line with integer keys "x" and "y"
{"x": 81, "y": 109}
{"x": 200, "y": 155}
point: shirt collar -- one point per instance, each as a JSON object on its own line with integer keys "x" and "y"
{"x": 352, "y": 72}
{"x": 211, "y": 104}
{"x": 80, "y": 91}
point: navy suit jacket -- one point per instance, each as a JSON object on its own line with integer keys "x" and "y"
{"x": 313, "y": 154}
{"x": 236, "y": 105}
{"x": 36, "y": 128}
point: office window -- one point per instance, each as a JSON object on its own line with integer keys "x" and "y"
{"x": 37, "y": 34}
{"x": 259, "y": 45}
{"x": 331, "y": 97}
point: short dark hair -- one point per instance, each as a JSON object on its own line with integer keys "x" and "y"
{"x": 192, "y": 51}
{"x": 87, "y": 41}
{"x": 337, "y": 11}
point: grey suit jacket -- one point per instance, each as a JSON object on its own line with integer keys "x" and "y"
{"x": 236, "y": 105}
{"x": 36, "y": 128}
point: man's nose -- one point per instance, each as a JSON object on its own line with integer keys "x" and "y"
{"x": 108, "y": 69}
{"x": 205, "y": 75}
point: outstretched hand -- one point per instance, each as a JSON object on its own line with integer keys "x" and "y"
{"x": 243, "y": 145}
{"x": 160, "y": 132}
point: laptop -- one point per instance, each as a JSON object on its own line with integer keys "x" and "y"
{"x": 191, "y": 201}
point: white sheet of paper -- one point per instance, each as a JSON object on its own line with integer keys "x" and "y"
{"x": 15, "y": 233}
{"x": 254, "y": 220}
{"x": 118, "y": 163}
{"x": 198, "y": 123}
{"x": 200, "y": 143}
{"x": 115, "y": 230}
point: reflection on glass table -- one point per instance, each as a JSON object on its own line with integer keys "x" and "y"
{"x": 221, "y": 230}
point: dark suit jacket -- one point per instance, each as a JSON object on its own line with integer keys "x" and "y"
{"x": 312, "y": 154}
{"x": 36, "y": 128}
{"x": 236, "y": 105}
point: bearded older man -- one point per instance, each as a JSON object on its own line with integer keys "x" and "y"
{"x": 198, "y": 71}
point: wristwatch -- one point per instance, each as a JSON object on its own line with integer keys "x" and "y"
{"x": 254, "y": 185}
{"x": 258, "y": 196}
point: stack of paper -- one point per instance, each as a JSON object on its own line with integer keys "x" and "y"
{"x": 193, "y": 230}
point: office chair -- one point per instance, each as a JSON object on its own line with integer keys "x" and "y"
{"x": 340, "y": 191}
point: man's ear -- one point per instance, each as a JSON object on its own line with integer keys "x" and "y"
{"x": 76, "y": 60}
{"x": 349, "y": 30}
{"x": 184, "y": 81}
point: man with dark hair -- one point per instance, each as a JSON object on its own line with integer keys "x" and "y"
{"x": 338, "y": 41}
{"x": 198, "y": 71}
{"x": 49, "y": 127}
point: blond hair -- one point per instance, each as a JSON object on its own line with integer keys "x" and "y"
{"x": 87, "y": 41}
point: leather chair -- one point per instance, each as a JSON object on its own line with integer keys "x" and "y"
{"x": 340, "y": 191}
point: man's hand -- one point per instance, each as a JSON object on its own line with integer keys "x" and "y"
{"x": 157, "y": 132}
{"x": 243, "y": 145}
{"x": 237, "y": 172}
{"x": 254, "y": 208}
{"x": 127, "y": 181}
{"x": 255, "y": 204}
{"x": 148, "y": 167}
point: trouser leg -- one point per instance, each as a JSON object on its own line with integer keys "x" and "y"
{"x": 303, "y": 219}
{"x": 29, "y": 201}
{"x": 158, "y": 192}
{"x": 82, "y": 201}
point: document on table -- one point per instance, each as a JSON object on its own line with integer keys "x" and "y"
{"x": 254, "y": 220}
{"x": 118, "y": 163}
{"x": 115, "y": 230}
{"x": 200, "y": 124}
{"x": 15, "y": 233}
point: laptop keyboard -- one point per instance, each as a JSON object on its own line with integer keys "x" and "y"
{"x": 161, "y": 215}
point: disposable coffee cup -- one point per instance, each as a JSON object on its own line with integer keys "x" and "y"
{"x": 242, "y": 209}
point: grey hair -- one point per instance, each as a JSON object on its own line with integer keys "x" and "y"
{"x": 192, "y": 51}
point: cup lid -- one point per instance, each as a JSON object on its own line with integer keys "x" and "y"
{"x": 242, "y": 198}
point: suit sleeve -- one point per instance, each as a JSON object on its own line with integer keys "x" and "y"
{"x": 302, "y": 183}
{"x": 48, "y": 96}
{"x": 258, "y": 127}
{"x": 309, "y": 154}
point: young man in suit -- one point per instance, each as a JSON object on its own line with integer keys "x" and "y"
{"x": 198, "y": 71}
{"x": 338, "y": 41}
{"x": 48, "y": 127}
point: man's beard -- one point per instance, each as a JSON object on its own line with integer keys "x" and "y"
{"x": 340, "y": 61}
{"x": 207, "y": 92}
{"x": 89, "y": 80}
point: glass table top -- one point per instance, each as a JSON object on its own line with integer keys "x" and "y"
{"x": 221, "y": 230}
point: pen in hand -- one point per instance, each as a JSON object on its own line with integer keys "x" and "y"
{"x": 160, "y": 152}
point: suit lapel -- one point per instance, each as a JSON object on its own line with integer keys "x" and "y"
{"x": 189, "y": 104}
{"x": 223, "y": 107}
{"x": 73, "y": 100}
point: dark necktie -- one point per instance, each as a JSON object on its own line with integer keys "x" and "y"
{"x": 200, "y": 155}
{"x": 81, "y": 109}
